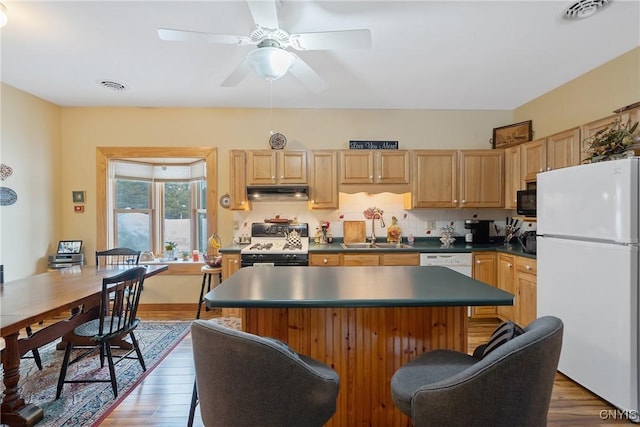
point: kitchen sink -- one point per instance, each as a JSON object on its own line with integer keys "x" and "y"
{"x": 375, "y": 246}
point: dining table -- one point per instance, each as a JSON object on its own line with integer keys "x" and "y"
{"x": 39, "y": 298}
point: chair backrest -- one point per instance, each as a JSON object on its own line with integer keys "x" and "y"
{"x": 118, "y": 256}
{"x": 510, "y": 386}
{"x": 248, "y": 380}
{"x": 119, "y": 302}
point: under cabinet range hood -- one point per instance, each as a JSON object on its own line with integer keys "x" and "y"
{"x": 278, "y": 193}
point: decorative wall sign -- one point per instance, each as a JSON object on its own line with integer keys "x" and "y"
{"x": 514, "y": 134}
{"x": 5, "y": 171}
{"x": 7, "y": 196}
{"x": 78, "y": 196}
{"x": 373, "y": 145}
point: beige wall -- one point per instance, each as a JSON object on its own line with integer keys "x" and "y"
{"x": 592, "y": 96}
{"x": 30, "y": 143}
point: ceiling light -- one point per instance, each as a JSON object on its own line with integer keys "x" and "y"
{"x": 270, "y": 63}
{"x": 584, "y": 9}
{"x": 3, "y": 15}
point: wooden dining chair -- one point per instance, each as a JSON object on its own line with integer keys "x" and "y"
{"x": 118, "y": 256}
{"x": 117, "y": 319}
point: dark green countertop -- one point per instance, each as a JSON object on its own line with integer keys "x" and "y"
{"x": 352, "y": 287}
{"x": 425, "y": 245}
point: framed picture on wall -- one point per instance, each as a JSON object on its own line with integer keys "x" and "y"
{"x": 78, "y": 196}
{"x": 514, "y": 134}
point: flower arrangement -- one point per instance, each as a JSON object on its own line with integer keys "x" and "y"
{"x": 169, "y": 246}
{"x": 611, "y": 142}
{"x": 447, "y": 235}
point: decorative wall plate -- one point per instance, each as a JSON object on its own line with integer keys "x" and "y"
{"x": 7, "y": 196}
{"x": 5, "y": 171}
{"x": 225, "y": 201}
{"x": 277, "y": 141}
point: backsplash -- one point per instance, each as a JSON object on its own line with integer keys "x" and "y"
{"x": 417, "y": 222}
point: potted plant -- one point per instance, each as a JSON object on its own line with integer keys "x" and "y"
{"x": 169, "y": 250}
{"x": 611, "y": 142}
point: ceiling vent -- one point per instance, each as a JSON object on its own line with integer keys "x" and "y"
{"x": 113, "y": 85}
{"x": 584, "y": 9}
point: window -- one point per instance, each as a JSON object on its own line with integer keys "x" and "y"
{"x": 152, "y": 203}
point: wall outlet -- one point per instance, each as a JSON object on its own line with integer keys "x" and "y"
{"x": 431, "y": 225}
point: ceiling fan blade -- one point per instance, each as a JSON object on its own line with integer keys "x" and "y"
{"x": 195, "y": 36}
{"x": 237, "y": 75}
{"x": 346, "y": 39}
{"x": 264, "y": 13}
{"x": 303, "y": 72}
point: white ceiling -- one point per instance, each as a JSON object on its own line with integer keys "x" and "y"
{"x": 425, "y": 54}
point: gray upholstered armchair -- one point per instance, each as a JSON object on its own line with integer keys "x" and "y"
{"x": 510, "y": 386}
{"x": 247, "y": 380}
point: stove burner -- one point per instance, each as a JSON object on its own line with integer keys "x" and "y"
{"x": 292, "y": 247}
{"x": 262, "y": 246}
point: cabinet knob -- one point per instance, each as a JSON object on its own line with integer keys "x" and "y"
{"x": 370, "y": 176}
{"x": 281, "y": 176}
{"x": 478, "y": 261}
{"x": 548, "y": 168}
{"x": 540, "y": 170}
{"x": 273, "y": 177}
{"x": 325, "y": 260}
{"x": 509, "y": 265}
{"x": 235, "y": 261}
{"x": 528, "y": 267}
{"x": 455, "y": 200}
{"x": 464, "y": 201}
{"x": 379, "y": 176}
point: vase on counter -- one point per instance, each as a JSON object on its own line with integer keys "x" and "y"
{"x": 394, "y": 232}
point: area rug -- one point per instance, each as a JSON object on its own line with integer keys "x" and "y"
{"x": 85, "y": 404}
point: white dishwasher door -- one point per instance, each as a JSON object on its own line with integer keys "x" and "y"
{"x": 460, "y": 262}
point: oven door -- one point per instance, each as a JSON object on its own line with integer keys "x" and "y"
{"x": 268, "y": 261}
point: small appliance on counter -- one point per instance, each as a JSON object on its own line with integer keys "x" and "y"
{"x": 528, "y": 241}
{"x": 478, "y": 230}
{"x": 69, "y": 254}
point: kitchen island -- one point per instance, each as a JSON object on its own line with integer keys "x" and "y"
{"x": 363, "y": 322}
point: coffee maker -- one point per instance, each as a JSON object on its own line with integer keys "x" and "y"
{"x": 478, "y": 230}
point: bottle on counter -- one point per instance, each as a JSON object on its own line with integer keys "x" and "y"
{"x": 394, "y": 232}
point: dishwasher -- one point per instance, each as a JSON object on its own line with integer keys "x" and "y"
{"x": 460, "y": 262}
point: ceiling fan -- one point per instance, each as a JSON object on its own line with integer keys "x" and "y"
{"x": 271, "y": 60}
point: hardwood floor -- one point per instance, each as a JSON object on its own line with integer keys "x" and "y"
{"x": 163, "y": 398}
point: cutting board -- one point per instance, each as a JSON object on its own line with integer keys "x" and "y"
{"x": 354, "y": 232}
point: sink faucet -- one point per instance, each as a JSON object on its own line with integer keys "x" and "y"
{"x": 373, "y": 225}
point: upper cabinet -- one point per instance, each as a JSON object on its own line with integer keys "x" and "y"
{"x": 268, "y": 167}
{"x": 374, "y": 167}
{"x": 323, "y": 180}
{"x": 481, "y": 179}
{"x": 554, "y": 152}
{"x": 237, "y": 181}
{"x": 512, "y": 176}
{"x": 435, "y": 182}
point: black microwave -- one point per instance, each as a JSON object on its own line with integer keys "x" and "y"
{"x": 526, "y": 202}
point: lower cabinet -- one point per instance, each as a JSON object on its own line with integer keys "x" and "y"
{"x": 324, "y": 260}
{"x": 506, "y": 282}
{"x": 484, "y": 269}
{"x": 230, "y": 264}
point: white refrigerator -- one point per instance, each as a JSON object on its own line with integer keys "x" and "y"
{"x": 588, "y": 272}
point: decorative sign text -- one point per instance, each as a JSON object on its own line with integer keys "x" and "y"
{"x": 373, "y": 145}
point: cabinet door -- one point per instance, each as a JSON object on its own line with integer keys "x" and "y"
{"x": 324, "y": 260}
{"x": 512, "y": 176}
{"x": 401, "y": 259}
{"x": 261, "y": 167}
{"x": 230, "y": 264}
{"x": 526, "y": 298}
{"x": 356, "y": 167}
{"x": 323, "y": 181}
{"x": 238, "y": 181}
{"x": 534, "y": 159}
{"x": 506, "y": 282}
{"x": 360, "y": 259}
{"x": 392, "y": 167}
{"x": 484, "y": 270}
{"x": 563, "y": 149}
{"x": 292, "y": 167}
{"x": 435, "y": 182}
{"x": 481, "y": 178}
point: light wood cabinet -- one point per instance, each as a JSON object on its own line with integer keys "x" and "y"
{"x": 557, "y": 151}
{"x": 526, "y": 291}
{"x": 374, "y": 167}
{"x": 512, "y": 176}
{"x": 401, "y": 259}
{"x": 266, "y": 167}
{"x": 230, "y": 264}
{"x": 324, "y": 259}
{"x": 481, "y": 179}
{"x": 484, "y": 269}
{"x": 360, "y": 259}
{"x": 323, "y": 180}
{"x": 237, "y": 181}
{"x": 435, "y": 180}
{"x": 506, "y": 282}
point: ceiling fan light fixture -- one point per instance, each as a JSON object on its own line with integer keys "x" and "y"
{"x": 270, "y": 63}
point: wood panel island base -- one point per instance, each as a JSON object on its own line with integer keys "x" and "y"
{"x": 364, "y": 323}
